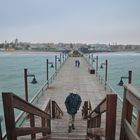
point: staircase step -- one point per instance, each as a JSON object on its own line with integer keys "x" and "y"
{"x": 68, "y": 138}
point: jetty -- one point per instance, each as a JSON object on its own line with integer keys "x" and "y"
{"x": 99, "y": 117}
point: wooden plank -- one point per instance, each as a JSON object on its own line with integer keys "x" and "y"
{"x": 133, "y": 89}
{"x": 138, "y": 124}
{"x": 30, "y": 130}
{"x": 133, "y": 100}
{"x": 96, "y": 131}
{"x": 27, "y": 107}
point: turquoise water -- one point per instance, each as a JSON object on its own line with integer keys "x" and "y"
{"x": 118, "y": 65}
{"x": 12, "y": 72}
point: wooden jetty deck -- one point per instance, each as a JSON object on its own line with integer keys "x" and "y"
{"x": 88, "y": 86}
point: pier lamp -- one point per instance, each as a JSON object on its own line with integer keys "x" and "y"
{"x": 63, "y": 56}
{"x": 56, "y": 59}
{"x": 129, "y": 77}
{"x": 106, "y": 69}
{"x": 89, "y": 57}
{"x": 96, "y": 59}
{"x": 47, "y": 68}
{"x": 34, "y": 81}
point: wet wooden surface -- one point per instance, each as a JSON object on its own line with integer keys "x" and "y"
{"x": 89, "y": 88}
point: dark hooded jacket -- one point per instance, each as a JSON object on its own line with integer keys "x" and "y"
{"x": 73, "y": 102}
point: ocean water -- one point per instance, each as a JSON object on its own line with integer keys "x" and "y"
{"x": 12, "y": 70}
{"x": 12, "y": 66}
{"x": 119, "y": 63}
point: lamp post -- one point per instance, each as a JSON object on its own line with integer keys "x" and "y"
{"x": 93, "y": 60}
{"x": 106, "y": 69}
{"x": 129, "y": 77}
{"x": 60, "y": 59}
{"x": 56, "y": 59}
{"x": 47, "y": 68}
{"x": 34, "y": 81}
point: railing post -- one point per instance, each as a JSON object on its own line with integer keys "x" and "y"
{"x": 111, "y": 116}
{"x": 85, "y": 110}
{"x": 106, "y": 68}
{"x": 56, "y": 64}
{"x": 26, "y": 84}
{"x": 32, "y": 124}
{"x": 129, "y": 77}
{"x": 9, "y": 116}
{"x": 96, "y": 65}
{"x": 53, "y": 109}
{"x": 47, "y": 69}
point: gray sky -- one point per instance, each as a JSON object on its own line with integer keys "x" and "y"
{"x": 85, "y": 21}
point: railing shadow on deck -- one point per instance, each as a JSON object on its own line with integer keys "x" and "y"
{"x": 11, "y": 102}
{"x": 94, "y": 118}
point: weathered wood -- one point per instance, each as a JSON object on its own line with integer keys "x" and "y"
{"x": 130, "y": 132}
{"x": 138, "y": 124}
{"x": 131, "y": 98}
{"x": 9, "y": 116}
{"x": 85, "y": 110}
{"x": 97, "y": 132}
{"x": 12, "y": 101}
{"x": 30, "y": 130}
{"x": 111, "y": 116}
{"x": 27, "y": 107}
{"x": 32, "y": 124}
{"x": 94, "y": 119}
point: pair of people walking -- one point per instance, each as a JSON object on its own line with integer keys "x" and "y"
{"x": 72, "y": 102}
{"x": 77, "y": 63}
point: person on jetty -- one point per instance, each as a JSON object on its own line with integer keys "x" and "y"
{"x": 72, "y": 103}
{"x": 78, "y": 63}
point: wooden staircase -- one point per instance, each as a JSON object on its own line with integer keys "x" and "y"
{"x": 60, "y": 128}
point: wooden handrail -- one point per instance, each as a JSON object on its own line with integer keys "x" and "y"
{"x": 11, "y": 101}
{"x": 56, "y": 111}
{"x": 131, "y": 100}
{"x": 107, "y": 105}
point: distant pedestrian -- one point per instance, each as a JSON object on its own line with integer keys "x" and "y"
{"x": 78, "y": 63}
{"x": 72, "y": 102}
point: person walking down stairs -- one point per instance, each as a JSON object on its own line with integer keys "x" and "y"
{"x": 72, "y": 103}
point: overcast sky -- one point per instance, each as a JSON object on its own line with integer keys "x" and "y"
{"x": 85, "y": 21}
